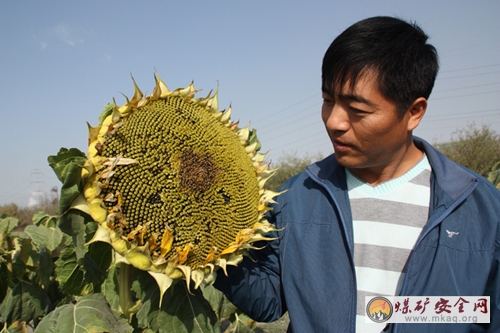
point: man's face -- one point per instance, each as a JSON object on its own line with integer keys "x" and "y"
{"x": 364, "y": 127}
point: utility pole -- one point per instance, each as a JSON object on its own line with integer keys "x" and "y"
{"x": 37, "y": 195}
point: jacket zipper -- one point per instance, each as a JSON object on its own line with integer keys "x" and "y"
{"x": 422, "y": 236}
{"x": 342, "y": 220}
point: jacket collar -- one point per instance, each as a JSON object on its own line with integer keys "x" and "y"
{"x": 451, "y": 179}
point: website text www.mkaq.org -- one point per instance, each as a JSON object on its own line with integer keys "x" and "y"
{"x": 440, "y": 319}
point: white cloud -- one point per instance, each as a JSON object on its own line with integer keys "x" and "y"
{"x": 60, "y": 32}
{"x": 64, "y": 34}
{"x": 43, "y": 44}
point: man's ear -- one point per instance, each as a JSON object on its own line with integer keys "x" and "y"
{"x": 416, "y": 112}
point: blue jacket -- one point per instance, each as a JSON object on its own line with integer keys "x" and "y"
{"x": 309, "y": 271}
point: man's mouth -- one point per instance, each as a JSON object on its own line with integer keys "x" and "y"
{"x": 340, "y": 146}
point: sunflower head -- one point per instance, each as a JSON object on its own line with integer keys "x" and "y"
{"x": 176, "y": 187}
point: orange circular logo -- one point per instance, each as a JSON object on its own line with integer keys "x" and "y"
{"x": 379, "y": 309}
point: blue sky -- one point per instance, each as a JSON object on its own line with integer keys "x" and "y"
{"x": 62, "y": 61}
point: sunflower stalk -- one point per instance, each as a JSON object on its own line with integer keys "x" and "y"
{"x": 125, "y": 289}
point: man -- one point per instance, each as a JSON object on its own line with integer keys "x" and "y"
{"x": 386, "y": 214}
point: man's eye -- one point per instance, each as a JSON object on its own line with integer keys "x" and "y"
{"x": 358, "y": 111}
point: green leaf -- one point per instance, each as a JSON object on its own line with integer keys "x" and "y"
{"x": 67, "y": 165}
{"x": 6, "y": 226}
{"x": 64, "y": 159}
{"x": 25, "y": 302}
{"x": 215, "y": 298}
{"x": 4, "y": 281}
{"x": 45, "y": 267}
{"x": 90, "y": 228}
{"x": 146, "y": 289}
{"x": 97, "y": 261}
{"x": 42, "y": 218}
{"x": 108, "y": 109}
{"x": 181, "y": 311}
{"x": 228, "y": 312}
{"x": 110, "y": 288}
{"x": 90, "y": 314}
{"x": 185, "y": 312}
{"x": 16, "y": 327}
{"x": 73, "y": 224}
{"x": 69, "y": 274}
{"x": 494, "y": 175}
{"x": 228, "y": 309}
{"x": 49, "y": 237}
{"x": 23, "y": 255}
{"x": 243, "y": 324}
{"x": 189, "y": 312}
{"x": 81, "y": 276}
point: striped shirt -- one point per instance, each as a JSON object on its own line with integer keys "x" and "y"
{"x": 387, "y": 220}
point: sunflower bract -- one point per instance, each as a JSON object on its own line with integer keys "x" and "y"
{"x": 175, "y": 185}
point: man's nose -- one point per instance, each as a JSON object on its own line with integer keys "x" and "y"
{"x": 337, "y": 119}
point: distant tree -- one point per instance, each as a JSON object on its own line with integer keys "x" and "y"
{"x": 25, "y": 214}
{"x": 475, "y": 148}
{"x": 9, "y": 210}
{"x": 494, "y": 175}
{"x": 289, "y": 165}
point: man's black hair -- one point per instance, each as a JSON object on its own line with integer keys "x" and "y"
{"x": 395, "y": 50}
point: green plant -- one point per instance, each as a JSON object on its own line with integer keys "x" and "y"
{"x": 288, "y": 165}
{"x": 475, "y": 148}
{"x": 122, "y": 255}
{"x": 494, "y": 175}
{"x": 53, "y": 280}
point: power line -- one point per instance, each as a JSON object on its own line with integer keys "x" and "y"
{"x": 38, "y": 176}
{"x": 468, "y": 75}
{"x": 290, "y": 119}
{"x": 468, "y": 87}
{"x": 295, "y": 117}
{"x": 447, "y": 116}
{"x": 295, "y": 112}
{"x": 466, "y": 95}
{"x": 469, "y": 68}
{"x": 449, "y": 126}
